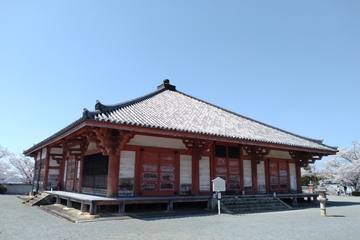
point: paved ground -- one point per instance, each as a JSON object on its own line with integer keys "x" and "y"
{"x": 21, "y": 222}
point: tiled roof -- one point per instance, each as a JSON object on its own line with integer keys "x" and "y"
{"x": 170, "y": 109}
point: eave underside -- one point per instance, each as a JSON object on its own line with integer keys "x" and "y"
{"x": 82, "y": 126}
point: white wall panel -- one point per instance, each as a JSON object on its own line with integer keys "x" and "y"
{"x": 127, "y": 172}
{"x": 91, "y": 147}
{"x": 293, "y": 184}
{"x": 185, "y": 169}
{"x": 53, "y": 178}
{"x": 43, "y": 153}
{"x": 204, "y": 174}
{"x": 261, "y": 177}
{"x": 127, "y": 164}
{"x": 53, "y": 163}
{"x": 150, "y": 141}
{"x": 247, "y": 173}
{"x": 279, "y": 154}
{"x": 56, "y": 150}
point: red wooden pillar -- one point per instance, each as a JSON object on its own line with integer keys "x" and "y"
{"x": 46, "y": 166}
{"x": 241, "y": 169}
{"x": 81, "y": 162}
{"x": 113, "y": 174}
{"x": 177, "y": 173}
{"x": 37, "y": 171}
{"x": 288, "y": 175}
{"x": 61, "y": 174}
{"x": 138, "y": 166}
{"x": 254, "y": 172}
{"x": 61, "y": 185}
{"x": 267, "y": 175}
{"x": 212, "y": 164}
{"x": 75, "y": 182}
{"x": 298, "y": 175}
{"x": 195, "y": 170}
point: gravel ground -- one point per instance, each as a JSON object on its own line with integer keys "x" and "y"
{"x": 21, "y": 222}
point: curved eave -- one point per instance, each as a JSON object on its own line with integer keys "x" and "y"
{"x": 189, "y": 134}
{"x": 80, "y": 123}
{"x": 73, "y": 127}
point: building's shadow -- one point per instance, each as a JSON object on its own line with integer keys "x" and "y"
{"x": 153, "y": 216}
{"x": 341, "y": 203}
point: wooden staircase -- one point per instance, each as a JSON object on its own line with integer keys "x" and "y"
{"x": 252, "y": 204}
{"x": 41, "y": 198}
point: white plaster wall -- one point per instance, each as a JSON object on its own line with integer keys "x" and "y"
{"x": 53, "y": 163}
{"x": 53, "y": 178}
{"x": 247, "y": 173}
{"x": 43, "y": 153}
{"x": 56, "y": 150}
{"x": 150, "y": 141}
{"x": 38, "y": 156}
{"x": 92, "y": 146}
{"x": 127, "y": 173}
{"x": 261, "y": 176}
{"x": 65, "y": 171}
{"x": 279, "y": 154}
{"x": 293, "y": 183}
{"x": 127, "y": 164}
{"x": 53, "y": 171}
{"x": 185, "y": 169}
{"x": 78, "y": 169}
{"x": 204, "y": 174}
{"x": 244, "y": 152}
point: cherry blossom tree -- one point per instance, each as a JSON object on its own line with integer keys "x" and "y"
{"x": 344, "y": 168}
{"x": 4, "y": 166}
{"x": 15, "y": 167}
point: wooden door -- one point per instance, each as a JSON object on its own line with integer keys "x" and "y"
{"x": 274, "y": 176}
{"x": 279, "y": 176}
{"x": 158, "y": 173}
{"x": 234, "y": 184}
{"x": 283, "y": 176}
{"x": 228, "y": 166}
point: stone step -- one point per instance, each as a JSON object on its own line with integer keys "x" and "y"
{"x": 247, "y": 202}
{"x": 38, "y": 199}
{"x": 252, "y": 204}
{"x": 254, "y": 210}
{"x": 247, "y": 198}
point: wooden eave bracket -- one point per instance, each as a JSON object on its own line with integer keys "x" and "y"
{"x": 305, "y": 158}
{"x": 197, "y": 144}
{"x": 110, "y": 141}
{"x": 256, "y": 152}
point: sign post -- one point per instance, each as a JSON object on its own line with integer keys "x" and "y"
{"x": 219, "y": 186}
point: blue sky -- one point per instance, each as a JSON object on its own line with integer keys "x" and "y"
{"x": 292, "y": 64}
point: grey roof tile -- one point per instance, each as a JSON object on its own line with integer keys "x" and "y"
{"x": 169, "y": 109}
{"x": 174, "y": 110}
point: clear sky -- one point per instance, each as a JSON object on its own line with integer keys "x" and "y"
{"x": 292, "y": 64}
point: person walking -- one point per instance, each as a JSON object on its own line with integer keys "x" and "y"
{"x": 338, "y": 190}
{"x": 349, "y": 191}
{"x": 345, "y": 188}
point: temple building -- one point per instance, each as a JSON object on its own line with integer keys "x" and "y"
{"x": 170, "y": 145}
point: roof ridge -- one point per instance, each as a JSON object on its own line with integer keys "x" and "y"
{"x": 102, "y": 108}
{"x": 317, "y": 141}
